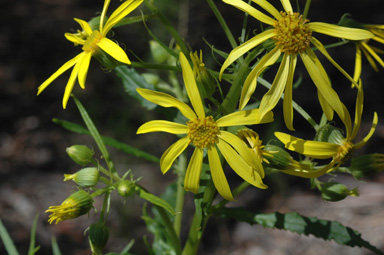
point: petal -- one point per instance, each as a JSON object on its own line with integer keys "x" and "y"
{"x": 369, "y": 135}
{"x": 172, "y": 153}
{"x": 237, "y": 163}
{"x": 287, "y": 6}
{"x": 123, "y": 10}
{"x": 315, "y": 149}
{"x": 84, "y": 62}
{"x": 358, "y": 112}
{"x": 250, "y": 83}
{"x": 247, "y": 117}
{"x": 245, "y": 47}
{"x": 269, "y": 8}
{"x": 166, "y": 100}
{"x": 113, "y": 50}
{"x": 217, "y": 173}
{"x": 84, "y": 25}
{"x": 243, "y": 150}
{"x": 73, "y": 38}
{"x": 71, "y": 83}
{"x": 241, "y": 5}
{"x": 272, "y": 97}
{"x": 191, "y": 87}
{"x": 370, "y": 59}
{"x": 287, "y": 102}
{"x": 340, "y": 32}
{"x": 56, "y": 74}
{"x": 358, "y": 61}
{"x": 162, "y": 126}
{"x": 192, "y": 176}
{"x": 373, "y": 53}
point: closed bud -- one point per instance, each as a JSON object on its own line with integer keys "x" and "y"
{"x": 81, "y": 154}
{"x": 278, "y": 157}
{"x": 98, "y": 237}
{"x": 86, "y": 177}
{"x": 126, "y": 188}
{"x": 367, "y": 165}
{"x": 204, "y": 80}
{"x": 330, "y": 134}
{"x": 77, "y": 204}
{"x": 334, "y": 191}
{"x": 159, "y": 54}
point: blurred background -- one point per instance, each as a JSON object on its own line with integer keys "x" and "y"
{"x": 32, "y": 148}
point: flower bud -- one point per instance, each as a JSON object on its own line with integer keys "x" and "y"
{"x": 77, "y": 204}
{"x": 204, "y": 80}
{"x": 334, "y": 191}
{"x": 330, "y": 134}
{"x": 81, "y": 154}
{"x": 366, "y": 165}
{"x": 159, "y": 54}
{"x": 278, "y": 157}
{"x": 86, "y": 177}
{"x": 98, "y": 237}
{"x": 126, "y": 188}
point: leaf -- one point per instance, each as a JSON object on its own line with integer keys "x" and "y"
{"x": 7, "y": 240}
{"x": 294, "y": 222}
{"x": 32, "y": 249}
{"x": 154, "y": 199}
{"x": 55, "y": 246}
{"x": 108, "y": 140}
{"x": 133, "y": 80}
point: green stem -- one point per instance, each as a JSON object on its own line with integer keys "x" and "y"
{"x": 173, "y": 235}
{"x": 306, "y": 8}
{"x": 154, "y": 66}
{"x": 235, "y": 192}
{"x": 182, "y": 164}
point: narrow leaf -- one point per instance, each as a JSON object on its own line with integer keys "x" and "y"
{"x": 32, "y": 249}
{"x": 154, "y": 200}
{"x": 7, "y": 240}
{"x": 55, "y": 247}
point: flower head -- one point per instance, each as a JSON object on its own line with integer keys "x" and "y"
{"x": 293, "y": 36}
{"x": 94, "y": 42}
{"x": 77, "y": 204}
{"x": 205, "y": 133}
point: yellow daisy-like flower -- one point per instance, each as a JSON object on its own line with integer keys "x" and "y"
{"x": 205, "y": 133}
{"x": 341, "y": 148}
{"x": 369, "y": 51}
{"x": 92, "y": 41}
{"x": 293, "y": 36}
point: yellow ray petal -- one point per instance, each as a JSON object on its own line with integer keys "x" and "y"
{"x": 103, "y": 13}
{"x": 162, "y": 126}
{"x": 340, "y": 32}
{"x": 358, "y": 112}
{"x": 75, "y": 39}
{"x": 272, "y": 97}
{"x": 84, "y": 25}
{"x": 113, "y": 50}
{"x": 241, "y": 5}
{"x": 315, "y": 149}
{"x": 247, "y": 117}
{"x": 217, "y": 173}
{"x": 238, "y": 164}
{"x": 250, "y": 83}
{"x": 373, "y": 53}
{"x": 56, "y": 74}
{"x": 369, "y": 135}
{"x": 70, "y": 84}
{"x": 166, "y": 100}
{"x": 191, "y": 87}
{"x": 172, "y": 153}
{"x": 84, "y": 62}
{"x": 370, "y": 59}
{"x": 192, "y": 176}
{"x": 287, "y": 102}
{"x": 245, "y": 47}
{"x": 287, "y": 6}
{"x": 358, "y": 61}
{"x": 269, "y": 8}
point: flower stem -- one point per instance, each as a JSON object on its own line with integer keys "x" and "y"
{"x": 306, "y": 8}
{"x": 179, "y": 193}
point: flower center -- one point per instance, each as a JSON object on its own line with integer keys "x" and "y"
{"x": 90, "y": 44}
{"x": 292, "y": 33}
{"x": 345, "y": 151}
{"x": 251, "y": 138}
{"x": 202, "y": 132}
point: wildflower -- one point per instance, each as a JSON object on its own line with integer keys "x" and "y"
{"x": 86, "y": 177}
{"x": 334, "y": 191}
{"x": 81, "y": 154}
{"x": 77, "y": 204}
{"x": 336, "y": 147}
{"x": 293, "y": 36}
{"x": 98, "y": 237}
{"x": 205, "y": 134}
{"x": 204, "y": 80}
{"x": 366, "y": 165}
{"x": 93, "y": 41}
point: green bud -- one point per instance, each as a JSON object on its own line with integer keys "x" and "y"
{"x": 81, "y": 154}
{"x": 330, "y": 134}
{"x": 105, "y": 59}
{"x": 347, "y": 21}
{"x": 334, "y": 191}
{"x": 159, "y": 54}
{"x": 277, "y": 157}
{"x": 126, "y": 188}
{"x": 204, "y": 80}
{"x": 367, "y": 165}
{"x": 86, "y": 177}
{"x": 98, "y": 237}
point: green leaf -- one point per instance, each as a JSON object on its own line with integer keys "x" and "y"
{"x": 108, "y": 141}
{"x": 154, "y": 199}
{"x": 55, "y": 246}
{"x": 294, "y": 222}
{"x": 133, "y": 80}
{"x": 7, "y": 240}
{"x": 32, "y": 249}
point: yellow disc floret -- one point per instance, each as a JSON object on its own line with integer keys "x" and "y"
{"x": 90, "y": 44}
{"x": 202, "y": 132}
{"x": 293, "y": 34}
{"x": 344, "y": 151}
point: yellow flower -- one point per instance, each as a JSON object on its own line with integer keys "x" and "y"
{"x": 77, "y": 204}
{"x": 340, "y": 149}
{"x": 369, "y": 51}
{"x": 92, "y": 41}
{"x": 205, "y": 133}
{"x": 293, "y": 36}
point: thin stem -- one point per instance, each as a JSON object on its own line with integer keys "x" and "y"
{"x": 235, "y": 192}
{"x": 180, "y": 169}
{"x": 306, "y": 8}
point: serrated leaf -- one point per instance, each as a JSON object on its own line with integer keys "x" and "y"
{"x": 133, "y": 80}
{"x": 294, "y": 222}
